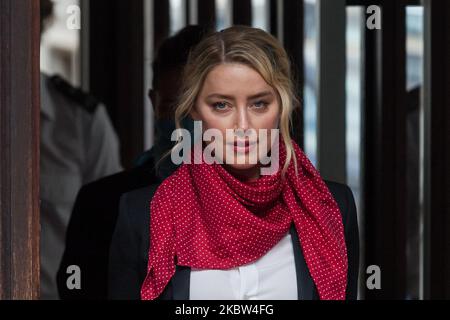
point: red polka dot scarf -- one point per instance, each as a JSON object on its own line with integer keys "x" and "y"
{"x": 203, "y": 217}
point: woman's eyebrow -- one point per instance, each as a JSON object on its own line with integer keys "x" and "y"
{"x": 220, "y": 96}
{"x": 260, "y": 95}
{"x": 252, "y": 97}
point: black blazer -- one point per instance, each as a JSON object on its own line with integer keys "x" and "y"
{"x": 90, "y": 230}
{"x": 130, "y": 245}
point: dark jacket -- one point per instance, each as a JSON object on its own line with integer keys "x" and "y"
{"x": 90, "y": 230}
{"x": 130, "y": 245}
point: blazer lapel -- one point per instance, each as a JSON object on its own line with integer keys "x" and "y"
{"x": 181, "y": 283}
{"x": 305, "y": 286}
{"x": 178, "y": 286}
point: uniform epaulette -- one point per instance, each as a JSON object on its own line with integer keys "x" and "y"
{"x": 87, "y": 101}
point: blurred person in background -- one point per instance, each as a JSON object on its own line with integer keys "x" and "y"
{"x": 96, "y": 209}
{"x": 78, "y": 145}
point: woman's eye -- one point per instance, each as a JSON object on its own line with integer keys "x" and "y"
{"x": 260, "y": 104}
{"x": 220, "y": 106}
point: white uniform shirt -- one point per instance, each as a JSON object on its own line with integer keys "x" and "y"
{"x": 271, "y": 277}
{"x": 77, "y": 147}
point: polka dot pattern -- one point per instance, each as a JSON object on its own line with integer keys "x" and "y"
{"x": 203, "y": 217}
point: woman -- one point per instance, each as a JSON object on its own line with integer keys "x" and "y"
{"x": 223, "y": 230}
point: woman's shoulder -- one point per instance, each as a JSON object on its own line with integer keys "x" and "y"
{"x": 139, "y": 199}
{"x": 140, "y": 195}
{"x": 337, "y": 189}
{"x": 135, "y": 204}
{"x": 135, "y": 207}
{"x": 343, "y": 196}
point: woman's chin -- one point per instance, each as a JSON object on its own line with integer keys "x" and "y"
{"x": 241, "y": 167}
{"x": 244, "y": 172}
{"x": 241, "y": 161}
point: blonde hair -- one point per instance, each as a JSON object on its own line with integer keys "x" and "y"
{"x": 254, "y": 48}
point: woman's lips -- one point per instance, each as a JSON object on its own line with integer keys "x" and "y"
{"x": 242, "y": 146}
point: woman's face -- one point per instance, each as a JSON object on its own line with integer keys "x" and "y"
{"x": 236, "y": 97}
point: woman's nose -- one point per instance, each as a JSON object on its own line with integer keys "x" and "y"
{"x": 243, "y": 120}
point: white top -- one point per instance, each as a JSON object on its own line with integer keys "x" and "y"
{"x": 271, "y": 277}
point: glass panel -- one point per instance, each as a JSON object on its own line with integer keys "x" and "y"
{"x": 310, "y": 85}
{"x": 354, "y": 110}
{"x": 223, "y": 14}
{"x": 177, "y": 15}
{"x": 414, "y": 82}
{"x": 354, "y": 99}
{"x": 260, "y": 14}
{"x": 414, "y": 47}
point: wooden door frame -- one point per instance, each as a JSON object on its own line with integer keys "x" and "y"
{"x": 19, "y": 145}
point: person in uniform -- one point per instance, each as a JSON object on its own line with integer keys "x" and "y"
{"x": 78, "y": 145}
